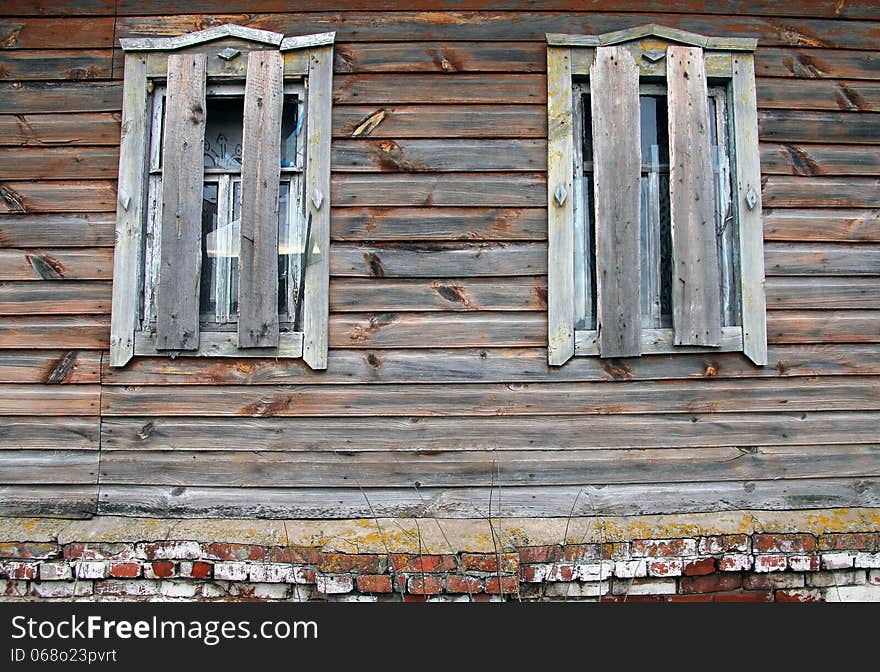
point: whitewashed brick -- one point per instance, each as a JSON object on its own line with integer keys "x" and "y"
{"x": 873, "y": 577}
{"x": 661, "y": 548}
{"x": 61, "y": 589}
{"x": 179, "y": 588}
{"x": 630, "y": 569}
{"x": 867, "y": 593}
{"x": 803, "y": 563}
{"x": 735, "y": 562}
{"x": 599, "y": 571}
{"x": 770, "y": 563}
{"x": 175, "y": 550}
{"x": 231, "y": 571}
{"x": 838, "y": 560}
{"x": 665, "y": 567}
{"x": 213, "y": 591}
{"x": 645, "y": 587}
{"x": 841, "y": 577}
{"x": 371, "y": 598}
{"x": 577, "y": 589}
{"x": 868, "y": 560}
{"x": 334, "y": 585}
{"x": 271, "y": 572}
{"x": 91, "y": 569}
{"x": 133, "y": 587}
{"x": 55, "y": 571}
{"x": 11, "y": 588}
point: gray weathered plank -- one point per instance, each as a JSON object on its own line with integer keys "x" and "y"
{"x": 55, "y": 501}
{"x": 444, "y": 399}
{"x": 445, "y": 57}
{"x": 260, "y": 174}
{"x": 823, "y": 326}
{"x": 831, "y": 224}
{"x": 66, "y": 230}
{"x": 52, "y": 367}
{"x": 488, "y": 365}
{"x": 39, "y": 433}
{"x": 792, "y": 93}
{"x": 46, "y": 130}
{"x": 56, "y": 264}
{"x": 426, "y": 259}
{"x": 785, "y": 191}
{"x": 55, "y": 97}
{"x": 315, "y": 306}
{"x": 221, "y": 344}
{"x": 67, "y": 400}
{"x": 696, "y": 301}
{"x": 799, "y": 126}
{"x": 40, "y": 332}
{"x": 811, "y": 160}
{"x": 679, "y": 430}
{"x": 54, "y": 298}
{"x": 822, "y": 259}
{"x": 413, "y": 224}
{"x": 817, "y": 63}
{"x": 457, "y": 294}
{"x": 828, "y": 293}
{"x": 382, "y": 89}
{"x": 656, "y": 341}
{"x": 177, "y": 313}
{"x": 521, "y": 501}
{"x": 58, "y": 196}
{"x": 484, "y": 468}
{"x": 48, "y": 467}
{"x": 747, "y": 181}
{"x": 560, "y": 210}
{"x": 617, "y": 157}
{"x": 56, "y": 163}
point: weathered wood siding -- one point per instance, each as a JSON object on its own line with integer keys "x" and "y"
{"x": 437, "y": 398}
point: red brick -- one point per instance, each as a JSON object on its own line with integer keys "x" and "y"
{"x": 19, "y": 570}
{"x": 771, "y": 563}
{"x": 858, "y": 541}
{"x": 506, "y": 585}
{"x": 490, "y": 562}
{"x": 17, "y": 550}
{"x": 532, "y": 573}
{"x": 665, "y": 567}
{"x": 799, "y": 595}
{"x": 425, "y": 585}
{"x": 745, "y": 596}
{"x": 99, "y": 551}
{"x": 724, "y": 543}
{"x": 699, "y": 567}
{"x": 415, "y": 598}
{"x": 581, "y": 552}
{"x": 231, "y": 552}
{"x": 535, "y": 554}
{"x": 705, "y": 597}
{"x": 663, "y": 548}
{"x": 784, "y": 543}
{"x": 413, "y": 562}
{"x": 200, "y": 570}
{"x": 561, "y": 572}
{"x": 363, "y": 563}
{"x": 752, "y": 581}
{"x": 295, "y": 554}
{"x": 456, "y": 583}
{"x": 125, "y": 570}
{"x": 804, "y": 563}
{"x": 163, "y": 569}
{"x": 374, "y": 583}
{"x": 711, "y": 583}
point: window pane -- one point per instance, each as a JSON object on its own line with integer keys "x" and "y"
{"x": 208, "y": 291}
{"x": 290, "y": 131}
{"x": 220, "y": 250}
{"x": 284, "y": 251}
{"x": 223, "y": 132}
{"x": 584, "y": 228}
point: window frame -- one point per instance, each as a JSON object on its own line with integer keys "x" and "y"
{"x": 729, "y": 63}
{"x": 308, "y": 66}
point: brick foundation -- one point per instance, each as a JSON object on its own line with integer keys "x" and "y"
{"x": 724, "y": 568}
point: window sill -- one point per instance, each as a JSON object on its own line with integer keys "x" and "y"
{"x": 222, "y": 344}
{"x": 659, "y": 342}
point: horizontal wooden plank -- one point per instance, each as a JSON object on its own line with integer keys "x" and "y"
{"x": 838, "y": 127}
{"x": 56, "y": 264}
{"x": 55, "y": 97}
{"x": 810, "y": 160}
{"x": 515, "y": 501}
{"x": 47, "y": 64}
{"x": 440, "y": 121}
{"x": 58, "y": 231}
{"x": 53, "y": 501}
{"x": 437, "y": 330}
{"x": 819, "y": 224}
{"x": 370, "y": 26}
{"x": 427, "y": 259}
{"x": 432, "y": 189}
{"x": 447, "y": 155}
{"x": 818, "y": 94}
{"x": 815, "y": 326}
{"x": 822, "y": 259}
{"x": 443, "y": 57}
{"x": 90, "y": 333}
{"x": 455, "y": 294}
{"x": 59, "y": 163}
{"x": 39, "y": 433}
{"x": 58, "y": 196}
{"x": 413, "y": 224}
{"x": 704, "y": 396}
{"x": 817, "y": 63}
{"x": 74, "y": 32}
{"x": 384, "y": 88}
{"x": 49, "y": 366}
{"x": 826, "y": 293}
{"x": 47, "y": 400}
{"x": 44, "y": 130}
{"x": 48, "y": 467}
{"x": 495, "y": 365}
{"x": 820, "y": 192}
{"x": 490, "y": 433}
{"x": 54, "y": 298}
{"x": 483, "y": 468}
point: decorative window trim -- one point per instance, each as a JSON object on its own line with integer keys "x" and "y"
{"x": 309, "y": 58}
{"x": 726, "y": 59}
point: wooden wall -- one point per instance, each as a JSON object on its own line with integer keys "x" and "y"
{"x": 437, "y": 399}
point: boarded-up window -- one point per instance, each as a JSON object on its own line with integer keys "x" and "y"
{"x": 219, "y": 251}
{"x": 664, "y": 242}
